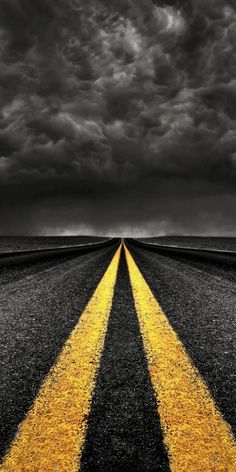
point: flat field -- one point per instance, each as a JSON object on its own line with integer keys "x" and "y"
{"x": 203, "y": 242}
{"x": 21, "y": 243}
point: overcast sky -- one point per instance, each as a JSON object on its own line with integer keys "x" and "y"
{"x": 118, "y": 116}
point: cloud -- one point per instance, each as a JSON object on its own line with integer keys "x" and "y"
{"x": 117, "y": 114}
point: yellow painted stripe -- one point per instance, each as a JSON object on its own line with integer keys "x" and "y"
{"x": 52, "y": 435}
{"x": 197, "y": 437}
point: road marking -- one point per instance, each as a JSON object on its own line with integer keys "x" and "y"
{"x": 196, "y": 435}
{"x": 52, "y": 435}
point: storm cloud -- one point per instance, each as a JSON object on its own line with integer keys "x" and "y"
{"x": 117, "y": 116}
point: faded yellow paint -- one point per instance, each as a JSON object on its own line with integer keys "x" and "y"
{"x": 52, "y": 435}
{"x": 196, "y": 435}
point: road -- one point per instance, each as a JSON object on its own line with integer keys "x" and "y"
{"x": 120, "y": 359}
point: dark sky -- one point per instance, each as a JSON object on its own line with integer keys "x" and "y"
{"x": 118, "y": 116}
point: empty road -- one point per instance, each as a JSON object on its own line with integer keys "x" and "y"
{"x": 117, "y": 359}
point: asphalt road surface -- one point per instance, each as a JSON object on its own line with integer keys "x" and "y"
{"x": 117, "y": 360}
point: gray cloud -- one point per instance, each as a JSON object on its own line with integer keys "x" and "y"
{"x": 117, "y": 115}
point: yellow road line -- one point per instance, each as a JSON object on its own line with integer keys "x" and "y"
{"x": 52, "y": 435}
{"x": 197, "y": 437}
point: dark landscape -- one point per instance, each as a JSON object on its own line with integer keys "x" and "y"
{"x": 117, "y": 236}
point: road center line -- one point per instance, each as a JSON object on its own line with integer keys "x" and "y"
{"x": 52, "y": 435}
{"x": 195, "y": 433}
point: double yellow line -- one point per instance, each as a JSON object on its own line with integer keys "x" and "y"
{"x": 52, "y": 435}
